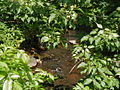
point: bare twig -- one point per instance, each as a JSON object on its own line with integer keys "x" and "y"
{"x": 74, "y": 67}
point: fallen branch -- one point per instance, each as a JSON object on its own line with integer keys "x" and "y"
{"x": 74, "y": 67}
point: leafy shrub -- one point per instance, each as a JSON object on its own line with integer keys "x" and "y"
{"x": 100, "y": 69}
{"x": 15, "y": 74}
{"x": 10, "y": 37}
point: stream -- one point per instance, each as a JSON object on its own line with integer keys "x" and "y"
{"x": 56, "y": 61}
{"x": 59, "y": 62}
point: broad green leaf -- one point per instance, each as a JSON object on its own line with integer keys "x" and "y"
{"x": 81, "y": 85}
{"x": 3, "y": 66}
{"x": 84, "y": 71}
{"x": 117, "y": 43}
{"x": 51, "y": 76}
{"x": 91, "y": 39}
{"x": 80, "y": 10}
{"x": 17, "y": 86}
{"x": 107, "y": 71}
{"x": 1, "y": 77}
{"x": 93, "y": 32}
{"x": 15, "y": 76}
{"x": 55, "y": 44}
{"x": 103, "y": 84}
{"x": 82, "y": 64}
{"x": 102, "y": 72}
{"x": 99, "y": 26}
{"x": 40, "y": 80}
{"x": 7, "y": 85}
{"x": 24, "y": 58}
{"x": 97, "y": 40}
{"x": 87, "y": 55}
{"x": 91, "y": 46}
{"x": 85, "y": 38}
{"x": 94, "y": 70}
{"x": 117, "y": 74}
{"x": 101, "y": 32}
{"x": 115, "y": 35}
{"x": 98, "y": 78}
{"x": 97, "y": 85}
{"x": 118, "y": 8}
{"x": 89, "y": 70}
{"x": 45, "y": 39}
{"x": 103, "y": 62}
{"x": 88, "y": 1}
{"x": 52, "y": 16}
{"x": 87, "y": 81}
{"x": 86, "y": 88}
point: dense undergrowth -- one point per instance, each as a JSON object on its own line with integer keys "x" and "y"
{"x": 48, "y": 20}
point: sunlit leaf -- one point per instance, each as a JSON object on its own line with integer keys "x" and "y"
{"x": 87, "y": 81}
{"x": 107, "y": 71}
{"x": 82, "y": 64}
{"x": 3, "y": 66}
{"x": 97, "y": 85}
{"x": 15, "y": 76}
{"x": 101, "y": 32}
{"x": 52, "y": 16}
{"x": 117, "y": 74}
{"x": 17, "y": 86}
{"x": 103, "y": 62}
{"x": 99, "y": 26}
{"x": 7, "y": 85}
{"x": 85, "y": 38}
{"x": 45, "y": 39}
{"x": 118, "y": 8}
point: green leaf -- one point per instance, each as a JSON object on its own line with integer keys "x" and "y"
{"x": 102, "y": 72}
{"x": 117, "y": 74}
{"x": 87, "y": 81}
{"x": 118, "y": 8}
{"x": 97, "y": 41}
{"x": 91, "y": 46}
{"x": 89, "y": 70}
{"x": 80, "y": 10}
{"x": 1, "y": 77}
{"x": 15, "y": 76}
{"x": 101, "y": 32}
{"x": 80, "y": 86}
{"x": 93, "y": 32}
{"x": 3, "y": 66}
{"x": 85, "y": 38}
{"x": 103, "y": 62}
{"x": 82, "y": 64}
{"x": 52, "y": 16}
{"x": 97, "y": 85}
{"x": 87, "y": 55}
{"x": 102, "y": 84}
{"x": 51, "y": 77}
{"x": 94, "y": 70}
{"x": 91, "y": 39}
{"x": 117, "y": 43}
{"x": 107, "y": 71}
{"x": 99, "y": 26}
{"x": 17, "y": 86}
{"x": 45, "y": 39}
{"x": 7, "y": 85}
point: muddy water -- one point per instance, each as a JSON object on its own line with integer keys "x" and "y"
{"x": 59, "y": 62}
